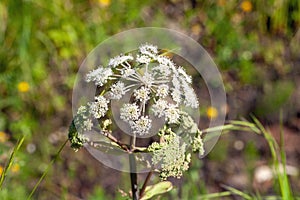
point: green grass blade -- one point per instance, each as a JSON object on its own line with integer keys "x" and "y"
{"x": 215, "y": 195}
{"x": 237, "y": 192}
{"x": 285, "y": 187}
{"x": 11, "y": 159}
{"x": 232, "y": 126}
{"x": 246, "y": 124}
{"x": 282, "y": 177}
{"x": 47, "y": 170}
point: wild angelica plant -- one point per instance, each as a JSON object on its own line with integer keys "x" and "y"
{"x": 156, "y": 100}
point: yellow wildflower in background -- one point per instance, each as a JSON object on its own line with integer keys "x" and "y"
{"x": 15, "y": 168}
{"x": 246, "y": 6}
{"x": 196, "y": 29}
{"x": 211, "y": 112}
{"x": 1, "y": 170}
{"x": 23, "y": 86}
{"x": 104, "y": 3}
{"x": 3, "y": 137}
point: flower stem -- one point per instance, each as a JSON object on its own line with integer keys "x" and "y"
{"x": 133, "y": 177}
{"x": 132, "y": 142}
{"x": 133, "y": 174}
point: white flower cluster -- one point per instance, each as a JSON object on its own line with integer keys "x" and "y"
{"x": 129, "y": 112}
{"x": 114, "y": 62}
{"x": 157, "y": 83}
{"x": 99, "y": 80}
{"x": 141, "y": 126}
{"x": 158, "y": 88}
{"x": 117, "y": 90}
{"x": 99, "y": 107}
{"x": 85, "y": 114}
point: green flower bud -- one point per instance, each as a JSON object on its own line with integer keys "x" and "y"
{"x": 77, "y": 140}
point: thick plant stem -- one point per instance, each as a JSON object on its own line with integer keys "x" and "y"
{"x": 133, "y": 177}
{"x": 133, "y": 174}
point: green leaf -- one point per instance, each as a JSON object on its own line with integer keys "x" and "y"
{"x": 159, "y": 188}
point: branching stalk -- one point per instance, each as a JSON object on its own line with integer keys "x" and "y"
{"x": 145, "y": 183}
{"x": 113, "y": 139}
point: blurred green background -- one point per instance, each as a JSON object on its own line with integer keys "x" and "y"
{"x": 255, "y": 44}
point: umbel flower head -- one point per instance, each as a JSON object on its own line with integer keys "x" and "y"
{"x": 158, "y": 88}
